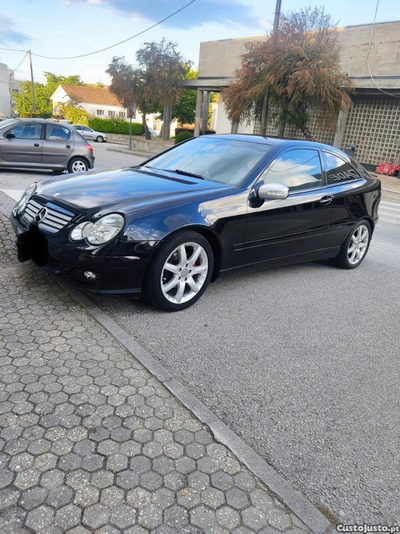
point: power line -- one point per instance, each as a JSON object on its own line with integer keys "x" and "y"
{"x": 368, "y": 52}
{"x": 16, "y": 68}
{"x": 120, "y": 42}
{"x": 107, "y": 47}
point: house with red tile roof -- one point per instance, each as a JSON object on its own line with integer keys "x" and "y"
{"x": 97, "y": 101}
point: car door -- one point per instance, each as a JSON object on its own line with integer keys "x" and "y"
{"x": 58, "y": 144}
{"x": 297, "y": 225}
{"x": 87, "y": 132}
{"x": 26, "y": 145}
{"x": 345, "y": 184}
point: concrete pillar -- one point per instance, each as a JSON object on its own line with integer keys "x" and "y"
{"x": 197, "y": 119}
{"x": 167, "y": 121}
{"x": 204, "y": 113}
{"x": 341, "y": 128}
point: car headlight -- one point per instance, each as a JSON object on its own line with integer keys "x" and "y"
{"x": 81, "y": 231}
{"x": 100, "y": 232}
{"x": 23, "y": 201}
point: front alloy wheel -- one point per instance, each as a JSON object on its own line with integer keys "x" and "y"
{"x": 184, "y": 273}
{"x": 180, "y": 271}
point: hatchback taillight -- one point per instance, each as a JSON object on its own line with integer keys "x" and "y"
{"x": 89, "y": 147}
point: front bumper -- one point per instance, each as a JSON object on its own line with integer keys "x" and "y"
{"x": 107, "y": 274}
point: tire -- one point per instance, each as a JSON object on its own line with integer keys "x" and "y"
{"x": 77, "y": 164}
{"x": 185, "y": 287}
{"x": 99, "y": 139}
{"x": 344, "y": 258}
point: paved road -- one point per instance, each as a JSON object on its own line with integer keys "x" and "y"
{"x": 303, "y": 363}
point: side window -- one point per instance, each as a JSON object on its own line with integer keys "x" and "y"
{"x": 26, "y": 131}
{"x": 57, "y": 133}
{"x": 85, "y": 129}
{"x": 338, "y": 170}
{"x": 297, "y": 169}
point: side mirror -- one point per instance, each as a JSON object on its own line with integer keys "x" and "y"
{"x": 273, "y": 192}
{"x": 10, "y": 136}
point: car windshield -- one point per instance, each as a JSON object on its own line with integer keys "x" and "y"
{"x": 222, "y": 160}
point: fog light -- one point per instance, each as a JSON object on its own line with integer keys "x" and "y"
{"x": 89, "y": 275}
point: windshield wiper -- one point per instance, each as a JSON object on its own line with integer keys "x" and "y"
{"x": 187, "y": 173}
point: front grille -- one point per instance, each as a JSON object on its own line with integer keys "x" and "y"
{"x": 53, "y": 218}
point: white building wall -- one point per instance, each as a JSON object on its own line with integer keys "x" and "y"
{"x": 5, "y": 96}
{"x": 223, "y": 124}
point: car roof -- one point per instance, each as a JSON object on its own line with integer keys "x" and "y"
{"x": 277, "y": 141}
{"x": 41, "y": 121}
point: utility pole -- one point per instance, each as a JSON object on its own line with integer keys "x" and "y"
{"x": 264, "y": 111}
{"x": 32, "y": 82}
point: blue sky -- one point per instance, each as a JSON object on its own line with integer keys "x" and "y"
{"x": 71, "y": 27}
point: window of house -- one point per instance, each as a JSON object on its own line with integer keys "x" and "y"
{"x": 100, "y": 112}
{"x": 111, "y": 113}
{"x": 57, "y": 133}
{"x": 297, "y": 169}
{"x": 26, "y": 131}
{"x": 338, "y": 170}
{"x": 121, "y": 114}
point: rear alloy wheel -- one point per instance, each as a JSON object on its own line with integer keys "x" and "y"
{"x": 181, "y": 272}
{"x": 77, "y": 165}
{"x": 355, "y": 248}
{"x": 99, "y": 139}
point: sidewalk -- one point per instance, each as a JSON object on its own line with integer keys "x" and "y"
{"x": 390, "y": 187}
{"x": 92, "y": 442}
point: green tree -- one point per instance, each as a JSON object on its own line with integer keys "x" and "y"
{"x": 300, "y": 69}
{"x": 156, "y": 80}
{"x": 43, "y": 92}
{"x": 75, "y": 113}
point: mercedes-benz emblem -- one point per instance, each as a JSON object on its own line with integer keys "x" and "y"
{"x": 41, "y": 215}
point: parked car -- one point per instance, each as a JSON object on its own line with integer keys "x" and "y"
{"x": 37, "y": 143}
{"x": 88, "y": 133}
{"x": 204, "y": 207}
{"x": 153, "y": 132}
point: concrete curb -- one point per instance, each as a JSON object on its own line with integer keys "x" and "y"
{"x": 299, "y": 505}
{"x": 144, "y": 155}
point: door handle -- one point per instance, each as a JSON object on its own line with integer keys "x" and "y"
{"x": 36, "y": 144}
{"x": 68, "y": 146}
{"x": 326, "y": 200}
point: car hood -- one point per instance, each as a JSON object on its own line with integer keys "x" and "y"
{"x": 122, "y": 187}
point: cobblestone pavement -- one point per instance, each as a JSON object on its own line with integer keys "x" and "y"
{"x": 92, "y": 442}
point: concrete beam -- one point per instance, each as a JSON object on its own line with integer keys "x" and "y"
{"x": 197, "y": 119}
{"x": 204, "y": 113}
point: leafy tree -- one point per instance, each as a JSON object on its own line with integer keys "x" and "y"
{"x": 184, "y": 110}
{"x": 154, "y": 82}
{"x": 43, "y": 92}
{"x": 75, "y": 113}
{"x": 299, "y": 66}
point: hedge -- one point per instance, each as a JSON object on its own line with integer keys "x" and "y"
{"x": 182, "y": 136}
{"x": 115, "y": 126}
{"x": 191, "y": 130}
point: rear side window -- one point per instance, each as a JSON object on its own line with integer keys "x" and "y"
{"x": 297, "y": 169}
{"x": 57, "y": 133}
{"x": 338, "y": 170}
{"x": 26, "y": 131}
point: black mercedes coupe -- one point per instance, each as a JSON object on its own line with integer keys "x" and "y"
{"x": 169, "y": 227}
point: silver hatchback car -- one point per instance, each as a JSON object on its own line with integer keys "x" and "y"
{"x": 37, "y": 143}
{"x": 88, "y": 133}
